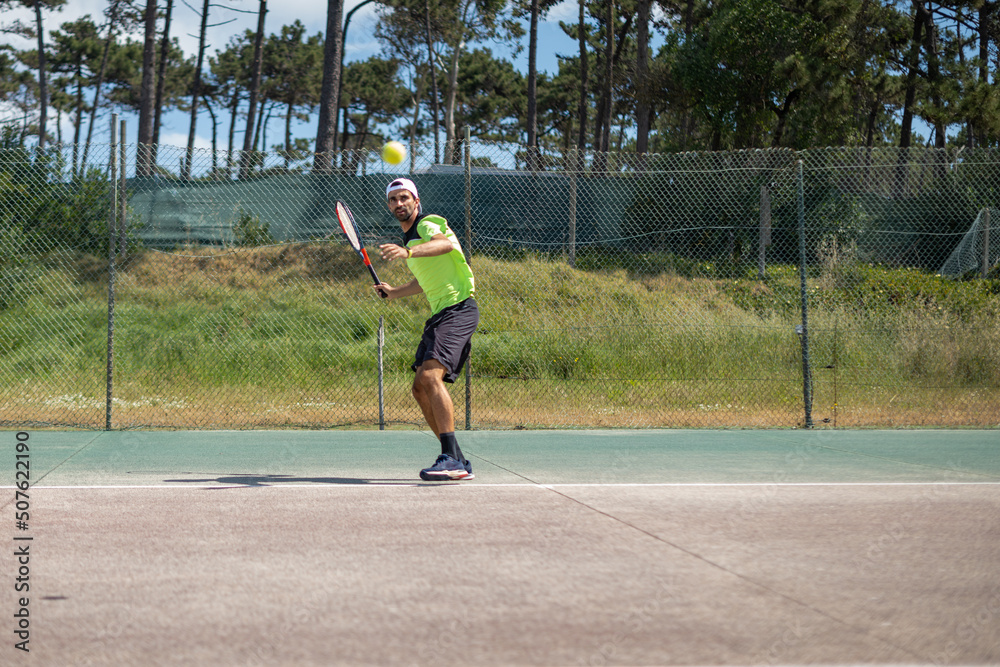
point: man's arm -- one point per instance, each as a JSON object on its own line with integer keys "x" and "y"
{"x": 409, "y": 289}
{"x": 438, "y": 245}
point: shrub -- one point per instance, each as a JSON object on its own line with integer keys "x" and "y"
{"x": 249, "y": 231}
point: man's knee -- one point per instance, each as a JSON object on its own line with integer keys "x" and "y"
{"x": 416, "y": 389}
{"x": 430, "y": 373}
{"x": 424, "y": 381}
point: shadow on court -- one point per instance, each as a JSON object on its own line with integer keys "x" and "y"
{"x": 271, "y": 480}
{"x": 569, "y": 548}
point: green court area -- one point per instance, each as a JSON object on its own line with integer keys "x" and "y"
{"x": 81, "y": 458}
{"x": 776, "y": 547}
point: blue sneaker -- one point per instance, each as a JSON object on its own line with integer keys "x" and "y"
{"x": 445, "y": 468}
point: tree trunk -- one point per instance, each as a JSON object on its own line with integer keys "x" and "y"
{"x": 533, "y": 89}
{"x": 258, "y": 48}
{"x": 782, "y": 113}
{"x": 343, "y": 40}
{"x": 147, "y": 98}
{"x": 100, "y": 77}
{"x": 933, "y": 72}
{"x": 687, "y": 123}
{"x": 870, "y": 127}
{"x": 581, "y": 141}
{"x": 326, "y": 136}
{"x": 196, "y": 93}
{"x": 417, "y": 97}
{"x": 602, "y": 136}
{"x": 642, "y": 110}
{"x": 913, "y": 65}
{"x": 609, "y": 73}
{"x": 344, "y": 136}
{"x": 161, "y": 78}
{"x": 288, "y": 136}
{"x": 232, "y": 128}
{"x": 358, "y": 153}
{"x": 43, "y": 89}
{"x": 435, "y": 97}
{"x": 906, "y": 126}
{"x": 449, "y": 110}
{"x": 261, "y": 139}
{"x": 260, "y": 127}
{"x": 78, "y": 124}
{"x": 979, "y": 137}
{"x": 215, "y": 145}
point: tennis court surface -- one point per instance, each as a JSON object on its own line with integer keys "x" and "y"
{"x": 569, "y": 548}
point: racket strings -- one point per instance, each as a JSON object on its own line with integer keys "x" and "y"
{"x": 348, "y": 225}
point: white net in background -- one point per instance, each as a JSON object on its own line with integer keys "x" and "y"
{"x": 979, "y": 249}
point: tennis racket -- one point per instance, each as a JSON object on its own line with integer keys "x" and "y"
{"x": 350, "y": 228}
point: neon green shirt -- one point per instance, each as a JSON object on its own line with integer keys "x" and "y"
{"x": 445, "y": 279}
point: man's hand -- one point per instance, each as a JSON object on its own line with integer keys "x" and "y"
{"x": 391, "y": 251}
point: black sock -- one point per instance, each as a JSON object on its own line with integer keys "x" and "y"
{"x": 449, "y": 446}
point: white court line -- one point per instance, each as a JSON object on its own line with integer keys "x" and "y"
{"x": 279, "y": 484}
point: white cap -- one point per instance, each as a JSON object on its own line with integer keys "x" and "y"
{"x": 402, "y": 184}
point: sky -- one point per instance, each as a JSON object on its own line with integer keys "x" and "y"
{"x": 236, "y": 16}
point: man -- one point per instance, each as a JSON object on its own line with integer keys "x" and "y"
{"x": 443, "y": 275}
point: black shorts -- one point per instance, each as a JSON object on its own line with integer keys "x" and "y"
{"x": 448, "y": 338}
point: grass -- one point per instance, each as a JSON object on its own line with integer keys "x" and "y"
{"x": 287, "y": 336}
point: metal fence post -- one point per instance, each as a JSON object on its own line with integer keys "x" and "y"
{"x": 381, "y": 373}
{"x": 468, "y": 196}
{"x": 986, "y": 243}
{"x": 112, "y": 237}
{"x": 804, "y": 327}
{"x": 572, "y": 168}
{"x": 765, "y": 231}
{"x": 468, "y": 257}
{"x": 123, "y": 192}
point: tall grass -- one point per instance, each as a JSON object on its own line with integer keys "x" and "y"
{"x": 287, "y": 335}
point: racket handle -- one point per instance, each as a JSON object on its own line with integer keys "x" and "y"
{"x": 375, "y": 277}
{"x": 371, "y": 270}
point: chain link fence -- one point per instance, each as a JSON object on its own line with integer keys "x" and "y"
{"x": 826, "y": 288}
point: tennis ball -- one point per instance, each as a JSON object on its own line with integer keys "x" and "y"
{"x": 393, "y": 152}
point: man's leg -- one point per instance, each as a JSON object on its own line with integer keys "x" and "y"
{"x": 446, "y": 340}
{"x": 435, "y": 402}
{"x": 433, "y": 397}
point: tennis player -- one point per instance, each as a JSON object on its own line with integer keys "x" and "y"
{"x": 441, "y": 272}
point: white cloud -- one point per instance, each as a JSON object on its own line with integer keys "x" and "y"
{"x": 181, "y": 139}
{"x": 66, "y": 126}
{"x": 567, "y": 10}
{"x": 311, "y": 13}
{"x": 51, "y": 20}
{"x": 185, "y": 24}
